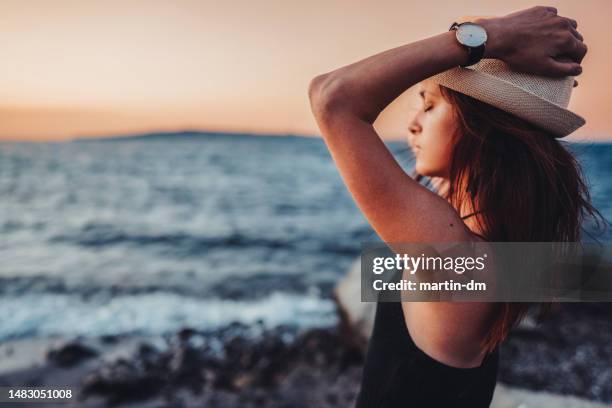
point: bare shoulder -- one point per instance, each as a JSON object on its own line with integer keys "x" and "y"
{"x": 450, "y": 332}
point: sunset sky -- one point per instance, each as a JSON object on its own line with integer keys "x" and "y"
{"x": 91, "y": 68}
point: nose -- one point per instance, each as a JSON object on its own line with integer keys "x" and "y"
{"x": 415, "y": 127}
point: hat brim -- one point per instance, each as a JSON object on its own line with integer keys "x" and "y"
{"x": 504, "y": 95}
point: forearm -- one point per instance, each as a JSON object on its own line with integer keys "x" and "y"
{"x": 366, "y": 87}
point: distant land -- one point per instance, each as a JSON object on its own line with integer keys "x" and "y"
{"x": 185, "y": 134}
{"x": 191, "y": 134}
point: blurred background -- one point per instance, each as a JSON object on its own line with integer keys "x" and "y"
{"x": 172, "y": 226}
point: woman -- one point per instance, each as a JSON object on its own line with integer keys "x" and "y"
{"x": 490, "y": 135}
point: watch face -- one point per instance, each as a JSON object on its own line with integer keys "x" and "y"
{"x": 471, "y": 35}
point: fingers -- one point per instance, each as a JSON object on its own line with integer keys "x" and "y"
{"x": 571, "y": 46}
{"x": 576, "y": 51}
{"x": 559, "y": 40}
{"x": 572, "y": 27}
{"x": 570, "y": 42}
{"x": 564, "y": 68}
{"x": 576, "y": 34}
{"x": 551, "y": 9}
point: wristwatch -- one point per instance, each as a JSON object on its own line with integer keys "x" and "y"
{"x": 473, "y": 37}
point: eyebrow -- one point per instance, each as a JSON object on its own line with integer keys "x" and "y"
{"x": 431, "y": 95}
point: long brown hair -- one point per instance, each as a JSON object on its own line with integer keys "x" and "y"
{"x": 525, "y": 183}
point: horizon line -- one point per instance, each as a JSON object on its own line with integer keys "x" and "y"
{"x": 161, "y": 132}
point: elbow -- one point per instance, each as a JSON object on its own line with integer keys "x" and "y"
{"x": 332, "y": 96}
{"x": 327, "y": 95}
{"x": 315, "y": 86}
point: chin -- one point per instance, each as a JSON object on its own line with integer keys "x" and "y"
{"x": 422, "y": 170}
{"x": 427, "y": 171}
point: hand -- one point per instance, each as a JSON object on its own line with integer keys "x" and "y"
{"x": 536, "y": 41}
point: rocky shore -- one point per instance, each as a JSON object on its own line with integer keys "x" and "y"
{"x": 234, "y": 367}
{"x": 240, "y": 366}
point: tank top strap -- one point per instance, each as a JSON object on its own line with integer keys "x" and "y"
{"x": 470, "y": 215}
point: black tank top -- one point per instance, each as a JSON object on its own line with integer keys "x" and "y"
{"x": 397, "y": 374}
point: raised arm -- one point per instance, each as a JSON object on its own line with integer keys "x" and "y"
{"x": 346, "y": 102}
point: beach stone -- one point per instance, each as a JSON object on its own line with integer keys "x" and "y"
{"x": 70, "y": 354}
{"x": 123, "y": 381}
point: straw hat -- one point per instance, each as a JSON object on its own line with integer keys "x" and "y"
{"x": 539, "y": 100}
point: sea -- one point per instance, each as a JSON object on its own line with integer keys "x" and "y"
{"x": 150, "y": 234}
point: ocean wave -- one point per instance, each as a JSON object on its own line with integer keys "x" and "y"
{"x": 101, "y": 235}
{"x": 154, "y": 314}
{"x": 249, "y": 287}
{"x": 97, "y": 235}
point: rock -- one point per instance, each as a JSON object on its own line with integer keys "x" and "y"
{"x": 124, "y": 380}
{"x": 110, "y": 338}
{"x": 244, "y": 366}
{"x": 356, "y": 317}
{"x": 70, "y": 354}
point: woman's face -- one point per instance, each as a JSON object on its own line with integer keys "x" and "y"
{"x": 431, "y": 131}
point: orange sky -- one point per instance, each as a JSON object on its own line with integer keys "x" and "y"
{"x": 90, "y": 68}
